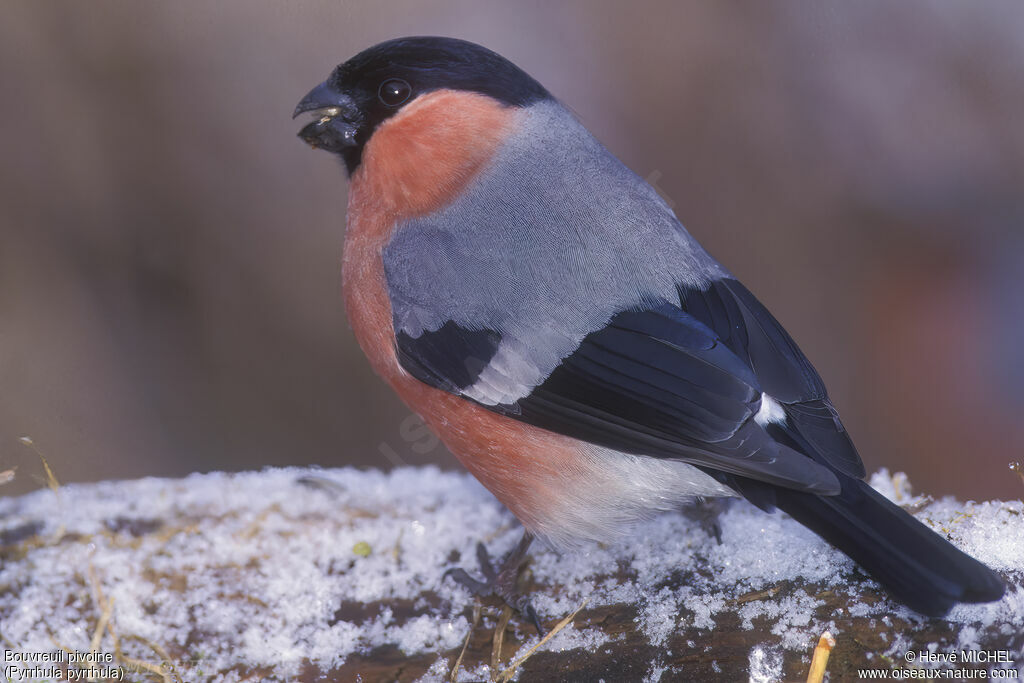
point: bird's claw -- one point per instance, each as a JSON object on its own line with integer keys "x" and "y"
{"x": 500, "y": 581}
{"x": 707, "y": 513}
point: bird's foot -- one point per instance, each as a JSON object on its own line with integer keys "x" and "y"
{"x": 706, "y": 511}
{"x": 501, "y": 580}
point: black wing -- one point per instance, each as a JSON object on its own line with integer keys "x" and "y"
{"x": 785, "y": 374}
{"x": 684, "y": 381}
{"x": 681, "y": 381}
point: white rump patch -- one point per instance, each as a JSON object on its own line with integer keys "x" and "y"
{"x": 770, "y": 411}
{"x": 607, "y": 491}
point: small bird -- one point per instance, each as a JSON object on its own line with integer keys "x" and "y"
{"x": 544, "y": 311}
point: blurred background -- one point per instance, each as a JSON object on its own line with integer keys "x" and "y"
{"x": 169, "y": 250}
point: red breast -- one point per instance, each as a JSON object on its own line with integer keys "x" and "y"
{"x": 415, "y": 163}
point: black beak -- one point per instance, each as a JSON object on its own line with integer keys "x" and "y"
{"x": 337, "y": 121}
{"x": 322, "y": 96}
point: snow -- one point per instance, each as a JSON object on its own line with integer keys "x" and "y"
{"x": 237, "y": 572}
{"x": 765, "y": 665}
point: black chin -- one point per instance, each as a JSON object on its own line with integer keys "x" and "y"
{"x": 333, "y": 135}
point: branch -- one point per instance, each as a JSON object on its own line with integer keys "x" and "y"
{"x": 334, "y": 574}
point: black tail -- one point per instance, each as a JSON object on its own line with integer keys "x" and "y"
{"x": 916, "y": 565}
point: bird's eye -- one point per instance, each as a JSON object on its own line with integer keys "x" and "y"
{"x": 394, "y": 92}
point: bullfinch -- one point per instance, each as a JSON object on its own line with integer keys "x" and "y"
{"x": 544, "y": 311}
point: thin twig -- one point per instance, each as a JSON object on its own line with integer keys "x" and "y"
{"x": 819, "y": 660}
{"x": 8, "y": 475}
{"x": 51, "y": 478}
{"x": 757, "y": 595}
{"x": 507, "y": 674}
{"x": 499, "y": 639}
{"x": 105, "y": 608}
{"x": 465, "y": 644}
{"x": 162, "y": 653}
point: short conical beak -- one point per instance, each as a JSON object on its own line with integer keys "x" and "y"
{"x": 336, "y": 125}
{"x": 321, "y": 97}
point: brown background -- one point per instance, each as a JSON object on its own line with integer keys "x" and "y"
{"x": 169, "y": 250}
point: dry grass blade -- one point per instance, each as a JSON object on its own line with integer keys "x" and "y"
{"x": 106, "y": 623}
{"x": 820, "y": 658}
{"x": 101, "y": 626}
{"x": 51, "y": 482}
{"x": 7, "y": 476}
{"x": 507, "y": 674}
{"x": 757, "y": 595}
{"x": 499, "y": 640}
{"x": 104, "y": 606}
{"x": 140, "y": 665}
{"x": 51, "y": 478}
{"x": 465, "y": 644}
{"x": 59, "y": 646}
{"x": 1018, "y": 469}
{"x": 253, "y": 527}
{"x": 164, "y": 670}
{"x": 396, "y": 552}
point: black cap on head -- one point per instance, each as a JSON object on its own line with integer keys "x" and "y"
{"x": 376, "y": 83}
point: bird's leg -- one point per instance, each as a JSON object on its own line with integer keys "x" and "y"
{"x": 501, "y": 580}
{"x": 706, "y": 511}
